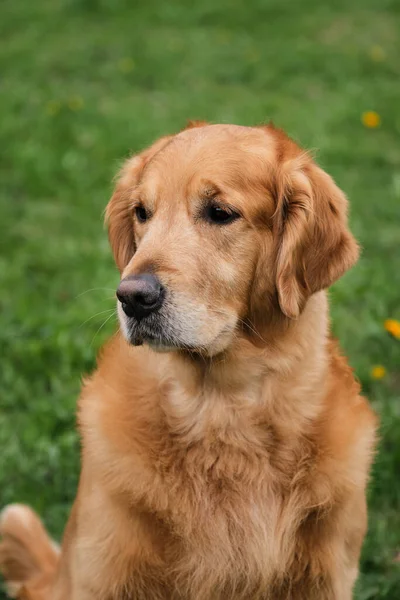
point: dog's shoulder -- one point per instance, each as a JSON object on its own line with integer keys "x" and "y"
{"x": 347, "y": 427}
{"x": 116, "y": 405}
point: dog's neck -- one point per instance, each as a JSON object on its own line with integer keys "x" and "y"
{"x": 285, "y": 374}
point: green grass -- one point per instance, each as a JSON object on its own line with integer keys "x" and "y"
{"x": 85, "y": 82}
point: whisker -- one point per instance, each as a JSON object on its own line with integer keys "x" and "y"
{"x": 250, "y": 325}
{"x": 95, "y": 290}
{"x": 101, "y": 326}
{"x": 102, "y": 312}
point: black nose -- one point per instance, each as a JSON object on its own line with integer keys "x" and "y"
{"x": 140, "y": 295}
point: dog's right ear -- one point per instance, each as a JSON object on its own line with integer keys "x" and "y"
{"x": 118, "y": 214}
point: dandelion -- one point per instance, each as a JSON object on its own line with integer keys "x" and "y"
{"x": 377, "y": 53}
{"x": 126, "y": 65}
{"x": 53, "y": 107}
{"x": 393, "y": 327}
{"x": 378, "y": 372}
{"x": 75, "y": 103}
{"x": 371, "y": 119}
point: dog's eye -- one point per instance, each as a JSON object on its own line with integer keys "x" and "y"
{"x": 141, "y": 213}
{"x": 220, "y": 215}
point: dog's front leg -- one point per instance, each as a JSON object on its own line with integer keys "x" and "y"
{"x": 329, "y": 547}
{"x": 108, "y": 552}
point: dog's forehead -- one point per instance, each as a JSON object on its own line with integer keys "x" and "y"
{"x": 224, "y": 141}
{"x": 219, "y": 153}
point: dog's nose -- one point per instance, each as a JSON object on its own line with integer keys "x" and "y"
{"x": 140, "y": 295}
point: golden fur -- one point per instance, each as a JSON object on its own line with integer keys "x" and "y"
{"x": 228, "y": 459}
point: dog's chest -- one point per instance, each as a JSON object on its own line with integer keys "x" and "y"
{"x": 228, "y": 514}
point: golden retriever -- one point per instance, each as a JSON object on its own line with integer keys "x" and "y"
{"x": 226, "y": 446}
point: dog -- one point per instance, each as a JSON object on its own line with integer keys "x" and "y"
{"x": 225, "y": 444}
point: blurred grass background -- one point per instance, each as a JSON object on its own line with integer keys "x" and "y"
{"x": 85, "y": 82}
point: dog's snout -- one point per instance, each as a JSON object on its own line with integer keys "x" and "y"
{"x": 140, "y": 295}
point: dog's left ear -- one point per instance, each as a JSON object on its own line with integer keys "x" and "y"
{"x": 313, "y": 244}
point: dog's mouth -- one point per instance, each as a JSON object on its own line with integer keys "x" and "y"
{"x": 177, "y": 329}
{"x": 162, "y": 337}
{"x": 151, "y": 331}
{"x": 158, "y": 342}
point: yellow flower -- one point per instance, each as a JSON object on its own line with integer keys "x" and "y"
{"x": 377, "y": 53}
{"x": 126, "y": 65}
{"x": 53, "y": 107}
{"x": 378, "y": 372}
{"x": 371, "y": 119}
{"x": 75, "y": 103}
{"x": 393, "y": 327}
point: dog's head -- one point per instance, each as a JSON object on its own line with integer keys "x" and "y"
{"x": 221, "y": 229}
